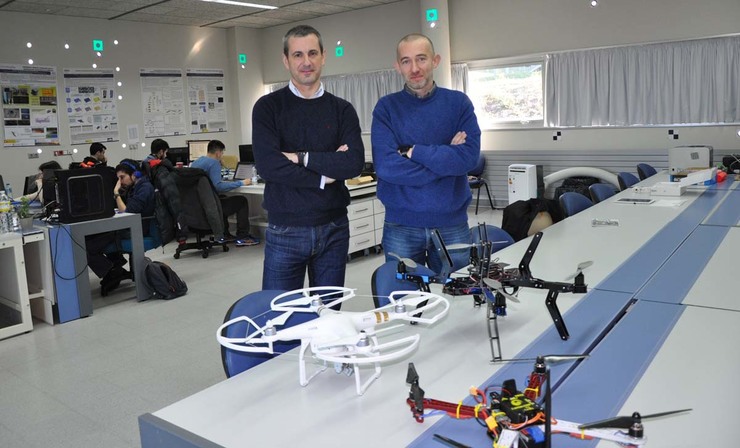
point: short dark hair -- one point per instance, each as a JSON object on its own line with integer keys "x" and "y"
{"x": 215, "y": 145}
{"x": 128, "y": 166}
{"x": 96, "y": 148}
{"x": 158, "y": 145}
{"x": 301, "y": 31}
{"x": 50, "y": 165}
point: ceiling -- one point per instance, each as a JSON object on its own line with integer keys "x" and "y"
{"x": 192, "y": 12}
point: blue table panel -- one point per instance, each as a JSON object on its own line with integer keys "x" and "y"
{"x": 728, "y": 213}
{"x": 587, "y": 321}
{"x": 65, "y": 278}
{"x": 676, "y": 277}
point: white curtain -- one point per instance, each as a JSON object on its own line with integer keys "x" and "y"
{"x": 694, "y": 81}
{"x": 364, "y": 90}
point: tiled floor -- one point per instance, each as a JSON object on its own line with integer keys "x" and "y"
{"x": 84, "y": 383}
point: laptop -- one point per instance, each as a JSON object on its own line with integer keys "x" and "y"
{"x": 244, "y": 170}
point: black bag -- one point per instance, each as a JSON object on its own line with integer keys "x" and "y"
{"x": 161, "y": 281}
{"x": 518, "y": 217}
{"x": 578, "y": 184}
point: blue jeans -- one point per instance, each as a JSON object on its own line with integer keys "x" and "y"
{"x": 416, "y": 243}
{"x": 289, "y": 251}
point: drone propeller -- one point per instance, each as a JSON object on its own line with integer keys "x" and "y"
{"x": 409, "y": 306}
{"x": 626, "y": 421}
{"x": 579, "y": 269}
{"x": 407, "y": 261}
{"x": 359, "y": 340}
{"x": 371, "y": 353}
{"x": 280, "y": 320}
{"x": 548, "y": 359}
{"x": 496, "y": 286}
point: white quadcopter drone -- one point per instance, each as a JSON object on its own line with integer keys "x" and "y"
{"x": 347, "y": 339}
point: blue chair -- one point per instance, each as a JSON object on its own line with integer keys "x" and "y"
{"x": 498, "y": 236}
{"x": 572, "y": 203}
{"x": 601, "y": 192}
{"x": 644, "y": 171}
{"x": 476, "y": 181}
{"x": 257, "y": 307}
{"x": 626, "y": 180}
{"x": 384, "y": 281}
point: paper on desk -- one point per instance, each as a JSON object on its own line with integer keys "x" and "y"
{"x": 668, "y": 202}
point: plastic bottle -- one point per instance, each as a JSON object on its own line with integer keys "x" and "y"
{"x": 5, "y": 222}
{"x": 255, "y": 177}
{"x": 9, "y": 190}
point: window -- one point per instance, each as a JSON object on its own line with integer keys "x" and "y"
{"x": 507, "y": 95}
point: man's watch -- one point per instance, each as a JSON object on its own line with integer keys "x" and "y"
{"x": 404, "y": 150}
{"x": 116, "y": 195}
{"x": 301, "y": 158}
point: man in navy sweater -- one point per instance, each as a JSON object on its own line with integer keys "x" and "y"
{"x": 306, "y": 142}
{"x": 425, "y": 140}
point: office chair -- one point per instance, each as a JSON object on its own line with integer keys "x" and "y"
{"x": 383, "y": 281}
{"x": 644, "y": 171}
{"x": 601, "y": 192}
{"x": 572, "y": 203}
{"x": 626, "y": 180}
{"x": 201, "y": 211}
{"x": 476, "y": 181}
{"x": 257, "y": 307}
{"x": 498, "y": 237}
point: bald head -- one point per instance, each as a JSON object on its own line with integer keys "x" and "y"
{"x": 413, "y": 37}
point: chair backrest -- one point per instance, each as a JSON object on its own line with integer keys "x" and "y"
{"x": 257, "y": 307}
{"x": 626, "y": 180}
{"x": 572, "y": 203}
{"x": 600, "y": 192}
{"x": 479, "y": 167}
{"x": 201, "y": 206}
{"x": 384, "y": 281}
{"x": 499, "y": 237}
{"x": 644, "y": 171}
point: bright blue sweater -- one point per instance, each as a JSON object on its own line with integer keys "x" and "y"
{"x": 430, "y": 189}
{"x": 212, "y": 167}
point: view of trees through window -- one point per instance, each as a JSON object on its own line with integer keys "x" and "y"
{"x": 510, "y": 94}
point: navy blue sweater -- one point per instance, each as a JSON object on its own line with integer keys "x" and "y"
{"x": 430, "y": 189}
{"x": 283, "y": 122}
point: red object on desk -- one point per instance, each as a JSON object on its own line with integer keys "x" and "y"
{"x": 721, "y": 176}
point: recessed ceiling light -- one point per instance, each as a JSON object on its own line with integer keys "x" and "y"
{"x": 120, "y": 83}
{"x": 30, "y": 62}
{"x": 74, "y": 150}
{"x": 99, "y": 54}
{"x": 123, "y": 145}
{"x": 29, "y": 45}
{"x": 115, "y": 42}
{"x": 120, "y": 97}
{"x": 143, "y": 144}
{"x": 38, "y": 150}
{"x": 118, "y": 69}
{"x": 594, "y": 3}
{"x": 236, "y": 3}
{"x": 95, "y": 66}
{"x": 66, "y": 46}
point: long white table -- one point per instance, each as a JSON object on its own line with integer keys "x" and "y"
{"x": 266, "y": 404}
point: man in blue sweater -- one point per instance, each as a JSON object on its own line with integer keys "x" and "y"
{"x": 211, "y": 164}
{"x": 306, "y": 143}
{"x": 425, "y": 140}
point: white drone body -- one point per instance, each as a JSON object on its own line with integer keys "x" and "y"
{"x": 347, "y": 339}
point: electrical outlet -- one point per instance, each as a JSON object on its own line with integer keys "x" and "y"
{"x": 33, "y": 155}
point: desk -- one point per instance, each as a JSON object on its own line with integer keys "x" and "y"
{"x": 69, "y": 258}
{"x": 265, "y": 405}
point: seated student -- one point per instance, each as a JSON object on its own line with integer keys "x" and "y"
{"x": 97, "y": 151}
{"x": 211, "y": 164}
{"x": 157, "y": 151}
{"x": 39, "y": 193}
{"x": 137, "y": 198}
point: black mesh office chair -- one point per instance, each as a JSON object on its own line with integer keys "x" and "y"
{"x": 201, "y": 211}
{"x": 476, "y": 181}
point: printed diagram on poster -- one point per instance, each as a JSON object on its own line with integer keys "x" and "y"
{"x": 29, "y": 105}
{"x": 91, "y": 105}
{"x": 207, "y": 100}
{"x": 163, "y": 102}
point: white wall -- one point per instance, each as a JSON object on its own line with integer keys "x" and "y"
{"x": 142, "y": 45}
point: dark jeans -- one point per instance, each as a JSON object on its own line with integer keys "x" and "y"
{"x": 289, "y": 251}
{"x": 239, "y": 205}
{"x": 98, "y": 259}
{"x": 416, "y": 243}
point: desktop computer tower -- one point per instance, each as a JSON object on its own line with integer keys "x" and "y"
{"x": 525, "y": 182}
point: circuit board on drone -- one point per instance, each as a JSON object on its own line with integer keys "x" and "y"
{"x": 517, "y": 407}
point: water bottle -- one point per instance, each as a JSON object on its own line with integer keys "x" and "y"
{"x": 9, "y": 190}
{"x": 255, "y": 177}
{"x": 5, "y": 223}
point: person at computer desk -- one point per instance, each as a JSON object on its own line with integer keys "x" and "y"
{"x": 97, "y": 150}
{"x": 211, "y": 164}
{"x": 425, "y": 140}
{"x": 38, "y": 195}
{"x": 133, "y": 193}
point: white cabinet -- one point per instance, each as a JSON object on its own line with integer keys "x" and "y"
{"x": 366, "y": 216}
{"x": 15, "y": 310}
{"x": 40, "y": 274}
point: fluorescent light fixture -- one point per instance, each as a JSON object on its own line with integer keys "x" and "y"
{"x": 236, "y": 3}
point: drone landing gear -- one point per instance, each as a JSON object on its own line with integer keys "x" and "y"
{"x": 302, "y": 379}
{"x": 557, "y": 319}
{"x": 493, "y": 335}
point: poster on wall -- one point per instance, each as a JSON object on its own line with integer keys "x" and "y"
{"x": 207, "y": 100}
{"x": 29, "y": 105}
{"x": 91, "y": 105}
{"x": 163, "y": 102}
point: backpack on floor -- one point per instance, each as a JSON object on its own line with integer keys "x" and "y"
{"x": 161, "y": 281}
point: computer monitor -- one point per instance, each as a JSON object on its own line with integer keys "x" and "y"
{"x": 246, "y": 154}
{"x": 197, "y": 148}
{"x": 29, "y": 186}
{"x": 84, "y": 194}
{"x": 179, "y": 155}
